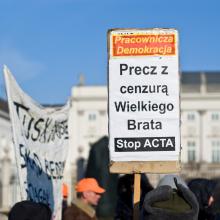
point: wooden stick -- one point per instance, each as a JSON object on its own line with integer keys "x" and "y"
{"x": 137, "y": 195}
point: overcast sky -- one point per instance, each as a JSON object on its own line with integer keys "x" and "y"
{"x": 47, "y": 43}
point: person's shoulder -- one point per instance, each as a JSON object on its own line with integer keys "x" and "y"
{"x": 71, "y": 212}
{"x": 72, "y": 208}
{"x": 87, "y": 209}
{"x": 79, "y": 210}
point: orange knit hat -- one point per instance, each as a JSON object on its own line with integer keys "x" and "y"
{"x": 65, "y": 190}
{"x": 89, "y": 184}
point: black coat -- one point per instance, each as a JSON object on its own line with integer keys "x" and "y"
{"x": 98, "y": 168}
{"x": 203, "y": 189}
{"x": 124, "y": 207}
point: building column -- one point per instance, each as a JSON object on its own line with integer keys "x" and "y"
{"x": 201, "y": 135}
{"x": 6, "y": 174}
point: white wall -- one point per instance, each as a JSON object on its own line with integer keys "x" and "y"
{"x": 10, "y": 193}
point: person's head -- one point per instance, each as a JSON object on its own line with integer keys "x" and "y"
{"x": 89, "y": 191}
{"x": 169, "y": 181}
{"x": 28, "y": 210}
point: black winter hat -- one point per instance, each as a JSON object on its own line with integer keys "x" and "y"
{"x": 169, "y": 204}
{"x": 28, "y": 210}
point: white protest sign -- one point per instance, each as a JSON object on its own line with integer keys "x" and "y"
{"x": 144, "y": 108}
{"x": 40, "y": 138}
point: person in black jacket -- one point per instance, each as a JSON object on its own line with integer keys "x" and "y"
{"x": 98, "y": 168}
{"x": 207, "y": 193}
{"x": 214, "y": 200}
{"x": 125, "y": 190}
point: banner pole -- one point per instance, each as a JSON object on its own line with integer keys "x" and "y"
{"x": 137, "y": 194}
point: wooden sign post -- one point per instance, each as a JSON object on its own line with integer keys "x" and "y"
{"x": 137, "y": 195}
{"x": 143, "y": 101}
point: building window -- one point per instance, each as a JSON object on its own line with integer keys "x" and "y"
{"x": 215, "y": 117}
{"x": 102, "y": 112}
{"x": 92, "y": 117}
{"x": 190, "y": 116}
{"x": 216, "y": 151}
{"x": 14, "y": 188}
{"x": 191, "y": 151}
{"x": 1, "y": 194}
{"x": 80, "y": 112}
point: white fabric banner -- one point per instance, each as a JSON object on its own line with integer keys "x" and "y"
{"x": 41, "y": 146}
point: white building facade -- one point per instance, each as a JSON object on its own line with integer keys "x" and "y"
{"x": 200, "y": 123}
{"x": 88, "y": 122}
{"x": 9, "y": 187}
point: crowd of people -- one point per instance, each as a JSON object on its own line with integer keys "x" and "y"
{"x": 105, "y": 196}
{"x": 173, "y": 198}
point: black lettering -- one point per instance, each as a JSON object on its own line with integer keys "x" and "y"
{"x": 29, "y": 127}
{"x": 37, "y": 164}
{"x": 137, "y": 70}
{"x": 144, "y": 70}
{"x": 18, "y": 106}
{"x": 164, "y": 70}
{"x": 123, "y": 67}
{"x": 133, "y": 107}
{"x": 123, "y": 89}
{"x": 22, "y": 154}
{"x": 170, "y": 107}
{"x": 131, "y": 125}
{"x": 153, "y": 70}
{"x": 43, "y": 137}
{"x": 130, "y": 69}
{"x": 119, "y": 106}
{"x": 143, "y": 106}
{"x": 37, "y": 194}
{"x": 54, "y": 170}
{"x": 162, "y": 108}
{"x": 37, "y": 129}
{"x": 144, "y": 89}
{"x": 47, "y": 169}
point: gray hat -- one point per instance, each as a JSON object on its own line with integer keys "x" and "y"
{"x": 169, "y": 181}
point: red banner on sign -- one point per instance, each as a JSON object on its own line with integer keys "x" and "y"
{"x": 144, "y": 45}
